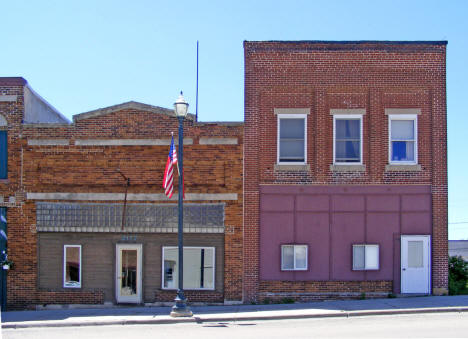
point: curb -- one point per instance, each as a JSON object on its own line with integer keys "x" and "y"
{"x": 213, "y": 318}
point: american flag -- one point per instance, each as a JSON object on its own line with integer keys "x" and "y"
{"x": 168, "y": 180}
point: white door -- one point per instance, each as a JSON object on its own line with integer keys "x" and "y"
{"x": 128, "y": 273}
{"x": 415, "y": 264}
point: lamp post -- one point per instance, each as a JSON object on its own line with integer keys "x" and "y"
{"x": 180, "y": 309}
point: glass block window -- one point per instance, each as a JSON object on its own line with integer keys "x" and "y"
{"x": 348, "y": 139}
{"x": 72, "y": 266}
{"x": 292, "y": 138}
{"x": 109, "y": 216}
{"x": 293, "y": 257}
{"x": 365, "y": 257}
{"x": 403, "y": 139}
{"x": 199, "y": 268}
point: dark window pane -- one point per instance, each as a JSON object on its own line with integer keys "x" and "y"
{"x": 292, "y": 150}
{"x": 291, "y": 143}
{"x": 3, "y": 155}
{"x": 72, "y": 267}
{"x": 402, "y": 151}
{"x": 348, "y": 129}
{"x": 292, "y": 128}
{"x": 347, "y": 151}
{"x": 129, "y": 272}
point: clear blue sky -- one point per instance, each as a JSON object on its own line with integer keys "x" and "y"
{"x": 88, "y": 54}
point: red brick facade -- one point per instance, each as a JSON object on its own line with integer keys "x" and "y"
{"x": 70, "y": 159}
{"x": 323, "y": 76}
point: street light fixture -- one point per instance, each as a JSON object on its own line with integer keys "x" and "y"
{"x": 180, "y": 309}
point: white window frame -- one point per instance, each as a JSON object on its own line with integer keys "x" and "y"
{"x": 65, "y": 285}
{"x": 294, "y": 246}
{"x": 365, "y": 268}
{"x": 413, "y": 117}
{"x": 291, "y": 116}
{"x": 348, "y": 117}
{"x": 189, "y": 247}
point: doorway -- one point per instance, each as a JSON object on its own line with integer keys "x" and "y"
{"x": 415, "y": 264}
{"x": 128, "y": 273}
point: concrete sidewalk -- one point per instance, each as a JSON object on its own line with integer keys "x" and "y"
{"x": 160, "y": 315}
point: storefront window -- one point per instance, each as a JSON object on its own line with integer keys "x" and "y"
{"x": 199, "y": 268}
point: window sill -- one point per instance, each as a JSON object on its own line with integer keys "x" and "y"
{"x": 348, "y": 168}
{"x": 402, "y": 168}
{"x": 291, "y": 167}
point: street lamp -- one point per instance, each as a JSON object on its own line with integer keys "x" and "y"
{"x": 180, "y": 309}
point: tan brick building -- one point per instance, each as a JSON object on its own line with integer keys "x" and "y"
{"x": 63, "y": 199}
{"x": 345, "y": 169}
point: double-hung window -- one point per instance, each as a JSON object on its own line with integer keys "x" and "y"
{"x": 294, "y": 257}
{"x": 72, "y": 266}
{"x": 365, "y": 257}
{"x": 292, "y": 138}
{"x": 403, "y": 143}
{"x": 347, "y": 135}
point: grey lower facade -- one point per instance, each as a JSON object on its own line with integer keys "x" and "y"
{"x": 86, "y": 255}
{"x": 99, "y": 269}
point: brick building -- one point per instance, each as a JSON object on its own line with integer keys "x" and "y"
{"x": 62, "y": 193}
{"x": 345, "y": 169}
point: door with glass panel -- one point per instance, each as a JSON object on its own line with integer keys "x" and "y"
{"x": 415, "y": 264}
{"x": 128, "y": 273}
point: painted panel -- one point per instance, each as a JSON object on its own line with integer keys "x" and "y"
{"x": 312, "y": 203}
{"x": 417, "y": 202}
{"x": 380, "y": 230}
{"x": 347, "y": 229}
{"x": 275, "y": 229}
{"x": 383, "y": 203}
{"x": 346, "y": 203}
{"x": 313, "y": 229}
{"x": 360, "y": 214}
{"x": 277, "y": 203}
{"x": 416, "y": 223}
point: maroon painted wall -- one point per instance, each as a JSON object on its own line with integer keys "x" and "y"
{"x": 330, "y": 219}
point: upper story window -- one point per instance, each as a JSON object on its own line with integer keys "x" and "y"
{"x": 403, "y": 143}
{"x": 292, "y": 138}
{"x": 3, "y": 148}
{"x": 347, "y": 139}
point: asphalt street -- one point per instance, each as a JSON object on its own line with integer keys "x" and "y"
{"x": 434, "y": 325}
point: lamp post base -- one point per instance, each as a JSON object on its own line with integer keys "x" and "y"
{"x": 180, "y": 309}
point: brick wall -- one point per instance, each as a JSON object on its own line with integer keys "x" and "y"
{"x": 48, "y": 158}
{"x": 322, "y": 76}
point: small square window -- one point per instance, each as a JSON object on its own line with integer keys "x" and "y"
{"x": 72, "y": 266}
{"x": 293, "y": 257}
{"x": 347, "y": 132}
{"x": 365, "y": 257}
{"x": 292, "y": 138}
{"x": 403, "y": 139}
